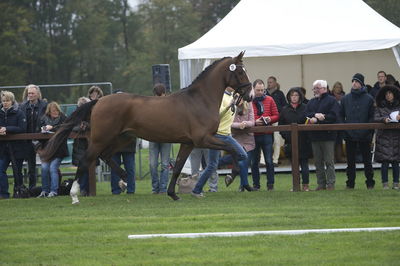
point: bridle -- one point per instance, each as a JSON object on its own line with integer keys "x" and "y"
{"x": 232, "y": 69}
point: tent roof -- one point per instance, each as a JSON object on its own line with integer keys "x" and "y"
{"x": 295, "y": 27}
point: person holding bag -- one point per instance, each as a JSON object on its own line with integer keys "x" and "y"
{"x": 388, "y": 140}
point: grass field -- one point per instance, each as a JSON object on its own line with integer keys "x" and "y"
{"x": 53, "y": 232}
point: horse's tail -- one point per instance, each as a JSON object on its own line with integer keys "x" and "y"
{"x": 82, "y": 113}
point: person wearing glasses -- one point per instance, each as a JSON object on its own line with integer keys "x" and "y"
{"x": 323, "y": 109}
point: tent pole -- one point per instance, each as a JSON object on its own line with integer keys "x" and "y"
{"x": 302, "y": 70}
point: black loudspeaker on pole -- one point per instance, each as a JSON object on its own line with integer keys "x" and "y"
{"x": 161, "y": 75}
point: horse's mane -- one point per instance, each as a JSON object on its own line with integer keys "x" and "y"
{"x": 205, "y": 71}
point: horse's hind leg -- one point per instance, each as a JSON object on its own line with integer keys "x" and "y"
{"x": 83, "y": 168}
{"x": 120, "y": 172}
{"x": 183, "y": 154}
{"x": 124, "y": 139}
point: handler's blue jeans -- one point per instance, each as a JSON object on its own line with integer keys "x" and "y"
{"x": 128, "y": 158}
{"x": 159, "y": 182}
{"x": 243, "y": 165}
{"x": 213, "y": 157}
{"x": 263, "y": 142}
{"x": 50, "y": 177}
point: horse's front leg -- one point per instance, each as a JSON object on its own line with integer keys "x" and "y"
{"x": 183, "y": 154}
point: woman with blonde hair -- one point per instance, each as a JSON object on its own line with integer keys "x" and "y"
{"x": 12, "y": 120}
{"x": 51, "y": 121}
{"x": 244, "y": 118}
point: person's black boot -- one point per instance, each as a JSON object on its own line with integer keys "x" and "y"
{"x": 248, "y": 188}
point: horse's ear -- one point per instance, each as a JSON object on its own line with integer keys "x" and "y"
{"x": 240, "y": 57}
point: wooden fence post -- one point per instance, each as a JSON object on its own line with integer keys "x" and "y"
{"x": 92, "y": 179}
{"x": 295, "y": 156}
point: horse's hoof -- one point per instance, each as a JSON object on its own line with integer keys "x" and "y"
{"x": 174, "y": 196}
{"x": 75, "y": 200}
{"x": 228, "y": 180}
{"x": 122, "y": 185}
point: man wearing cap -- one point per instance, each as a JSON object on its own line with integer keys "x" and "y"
{"x": 358, "y": 107}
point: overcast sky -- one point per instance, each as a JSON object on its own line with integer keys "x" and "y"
{"x": 133, "y": 3}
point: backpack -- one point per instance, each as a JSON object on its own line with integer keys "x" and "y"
{"x": 21, "y": 192}
{"x": 65, "y": 187}
{"x": 187, "y": 183}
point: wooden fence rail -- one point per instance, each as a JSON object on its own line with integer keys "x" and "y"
{"x": 294, "y": 128}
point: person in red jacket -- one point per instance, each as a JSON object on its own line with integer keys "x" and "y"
{"x": 265, "y": 113}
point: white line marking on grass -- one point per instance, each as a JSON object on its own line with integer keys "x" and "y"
{"x": 253, "y": 233}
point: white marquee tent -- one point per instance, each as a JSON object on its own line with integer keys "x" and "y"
{"x": 299, "y": 41}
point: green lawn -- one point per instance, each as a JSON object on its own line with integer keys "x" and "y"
{"x": 53, "y": 232}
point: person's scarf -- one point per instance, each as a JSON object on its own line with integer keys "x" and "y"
{"x": 259, "y": 104}
{"x": 294, "y": 105}
{"x": 272, "y": 90}
{"x": 48, "y": 120}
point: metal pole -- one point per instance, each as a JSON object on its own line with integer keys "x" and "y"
{"x": 63, "y": 85}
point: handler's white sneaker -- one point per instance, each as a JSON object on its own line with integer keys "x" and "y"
{"x": 52, "y": 194}
{"x": 200, "y": 195}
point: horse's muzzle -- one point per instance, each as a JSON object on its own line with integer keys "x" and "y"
{"x": 249, "y": 95}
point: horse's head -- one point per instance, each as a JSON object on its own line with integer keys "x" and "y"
{"x": 238, "y": 79}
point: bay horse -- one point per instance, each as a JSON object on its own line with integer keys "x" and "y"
{"x": 189, "y": 116}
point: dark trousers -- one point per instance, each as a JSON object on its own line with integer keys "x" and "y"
{"x": 31, "y": 159}
{"x": 5, "y": 161}
{"x": 263, "y": 143}
{"x": 304, "y": 170}
{"x": 365, "y": 148}
{"x": 385, "y": 171}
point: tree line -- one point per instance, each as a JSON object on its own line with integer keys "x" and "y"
{"x": 71, "y": 41}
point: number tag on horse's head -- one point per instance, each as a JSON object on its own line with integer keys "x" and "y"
{"x": 232, "y": 67}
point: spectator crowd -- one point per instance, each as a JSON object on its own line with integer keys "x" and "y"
{"x": 270, "y": 107}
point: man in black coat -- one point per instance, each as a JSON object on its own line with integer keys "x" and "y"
{"x": 323, "y": 109}
{"x": 34, "y": 108}
{"x": 358, "y": 107}
{"x": 379, "y": 84}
